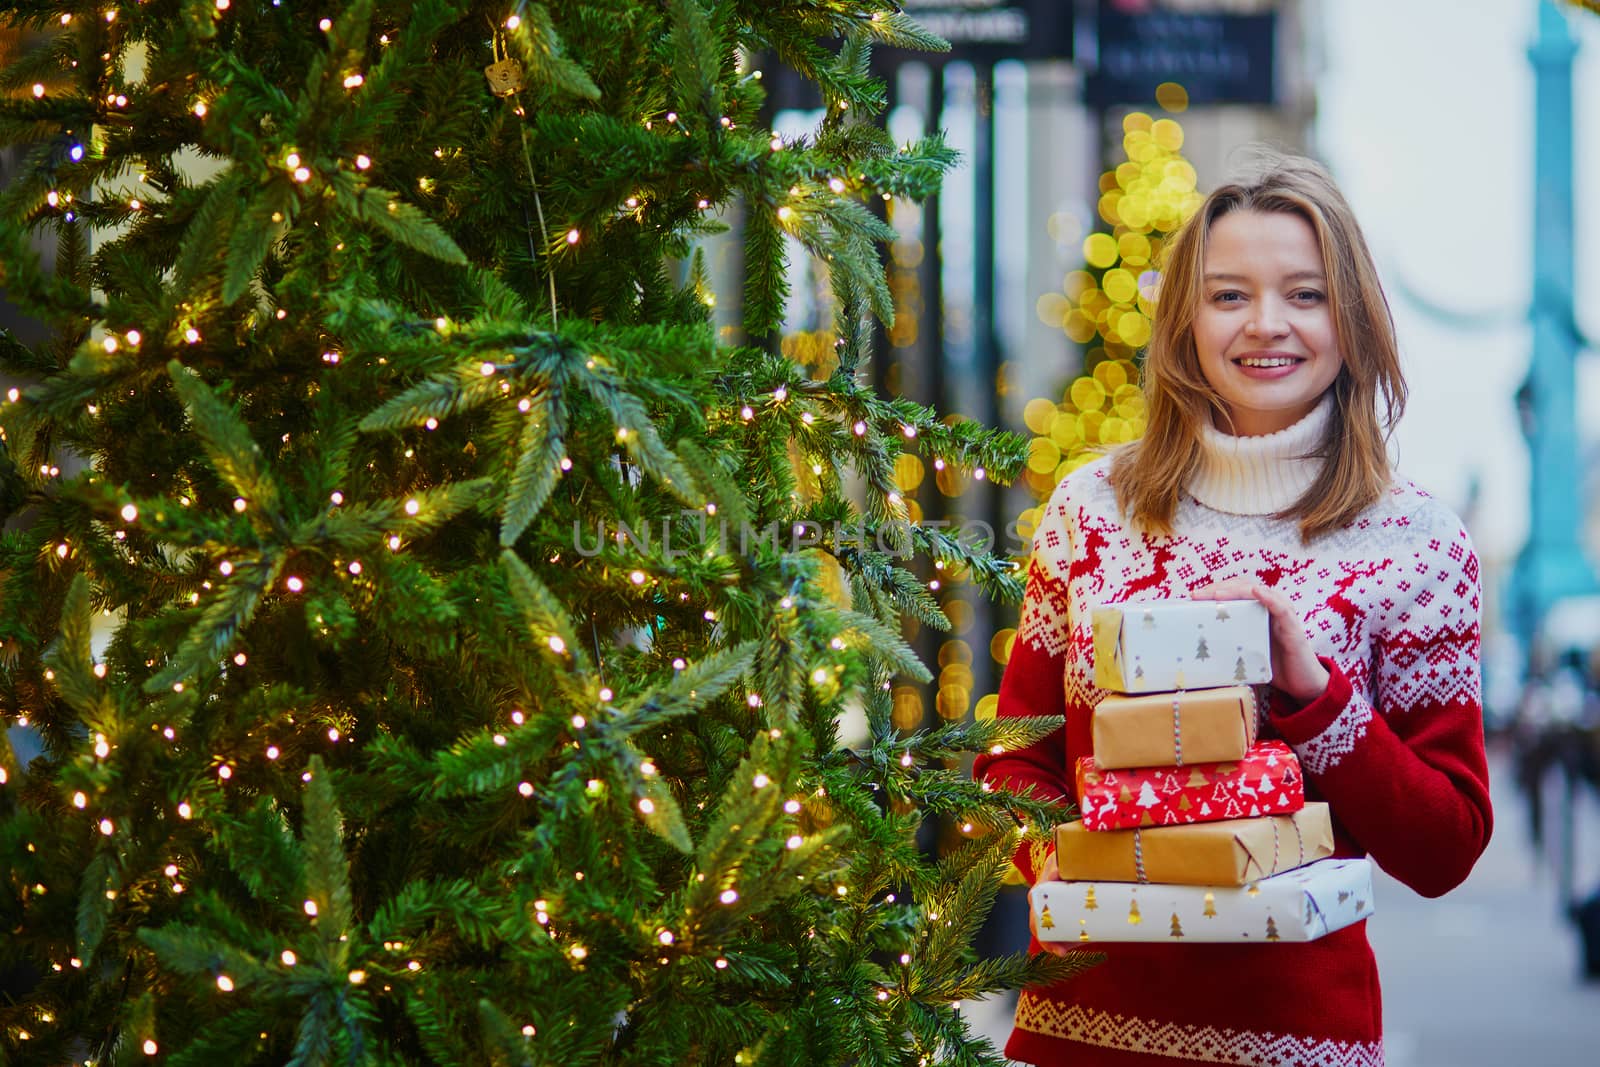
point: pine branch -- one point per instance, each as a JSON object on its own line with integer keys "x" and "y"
{"x": 233, "y": 454}
{"x": 540, "y": 451}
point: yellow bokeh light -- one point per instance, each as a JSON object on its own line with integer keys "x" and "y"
{"x": 1051, "y": 307}
{"x": 1087, "y": 395}
{"x": 907, "y": 713}
{"x": 1065, "y": 431}
{"x": 1172, "y": 97}
{"x": 1076, "y": 283}
{"x": 1063, "y": 227}
{"x": 952, "y": 701}
{"x": 957, "y": 674}
{"x": 954, "y": 652}
{"x": 1136, "y": 120}
{"x": 1134, "y": 329}
{"x": 1167, "y": 134}
{"x": 1038, "y": 414}
{"x": 1100, "y": 250}
{"x": 1134, "y": 249}
{"x": 1120, "y": 285}
{"x": 987, "y": 707}
{"x": 1043, "y": 455}
{"x": 1000, "y": 644}
{"x": 1113, "y": 374}
{"x": 1078, "y": 326}
{"x": 908, "y": 471}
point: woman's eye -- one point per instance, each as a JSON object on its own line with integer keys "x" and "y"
{"x": 1228, "y": 297}
{"x": 1308, "y": 296}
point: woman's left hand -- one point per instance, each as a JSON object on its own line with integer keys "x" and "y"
{"x": 1295, "y": 668}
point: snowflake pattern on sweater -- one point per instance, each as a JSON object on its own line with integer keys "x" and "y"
{"x": 1391, "y": 605}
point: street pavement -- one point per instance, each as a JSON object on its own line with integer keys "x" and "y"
{"x": 1486, "y": 976}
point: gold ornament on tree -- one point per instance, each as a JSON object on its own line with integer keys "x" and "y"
{"x": 505, "y": 73}
{"x": 1045, "y": 920}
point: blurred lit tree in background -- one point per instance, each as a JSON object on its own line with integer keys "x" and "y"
{"x": 435, "y": 637}
{"x": 1105, "y": 308}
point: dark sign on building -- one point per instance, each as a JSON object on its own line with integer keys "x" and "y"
{"x": 1218, "y": 59}
{"x": 979, "y": 31}
{"x": 985, "y": 31}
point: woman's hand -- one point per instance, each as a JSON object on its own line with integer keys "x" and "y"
{"x": 1048, "y": 873}
{"x": 1295, "y": 668}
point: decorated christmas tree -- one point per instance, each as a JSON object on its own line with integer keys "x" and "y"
{"x": 424, "y": 642}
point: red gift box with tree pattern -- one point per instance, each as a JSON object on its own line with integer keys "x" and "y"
{"x": 1267, "y": 781}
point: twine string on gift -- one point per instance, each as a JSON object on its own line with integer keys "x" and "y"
{"x": 1177, "y": 730}
{"x": 1138, "y": 857}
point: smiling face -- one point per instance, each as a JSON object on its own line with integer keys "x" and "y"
{"x": 1263, "y": 330}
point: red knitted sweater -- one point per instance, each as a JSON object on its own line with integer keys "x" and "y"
{"x": 1394, "y": 745}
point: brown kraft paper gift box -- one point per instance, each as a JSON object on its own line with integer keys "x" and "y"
{"x": 1174, "y": 729}
{"x": 1232, "y": 852}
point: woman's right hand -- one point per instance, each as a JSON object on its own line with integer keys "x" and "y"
{"x": 1048, "y": 873}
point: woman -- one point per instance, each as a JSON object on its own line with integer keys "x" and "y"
{"x": 1263, "y": 474}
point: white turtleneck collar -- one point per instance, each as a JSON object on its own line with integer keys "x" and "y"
{"x": 1260, "y": 475}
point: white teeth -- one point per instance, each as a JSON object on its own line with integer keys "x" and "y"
{"x": 1272, "y": 361}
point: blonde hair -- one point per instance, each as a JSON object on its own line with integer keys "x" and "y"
{"x": 1150, "y": 475}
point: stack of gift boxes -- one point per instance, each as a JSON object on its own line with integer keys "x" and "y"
{"x": 1191, "y": 828}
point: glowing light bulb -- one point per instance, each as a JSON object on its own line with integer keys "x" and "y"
{"x": 129, "y": 513}
{"x": 225, "y": 983}
{"x": 572, "y": 237}
{"x": 295, "y": 584}
{"x": 729, "y": 896}
{"x": 150, "y": 1047}
{"x": 525, "y": 788}
{"x": 80, "y": 800}
{"x": 647, "y": 805}
{"x": 311, "y": 908}
{"x": 289, "y": 958}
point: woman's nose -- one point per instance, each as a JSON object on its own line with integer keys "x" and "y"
{"x": 1268, "y": 318}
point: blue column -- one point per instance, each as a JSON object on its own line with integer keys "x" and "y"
{"x": 1552, "y": 564}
